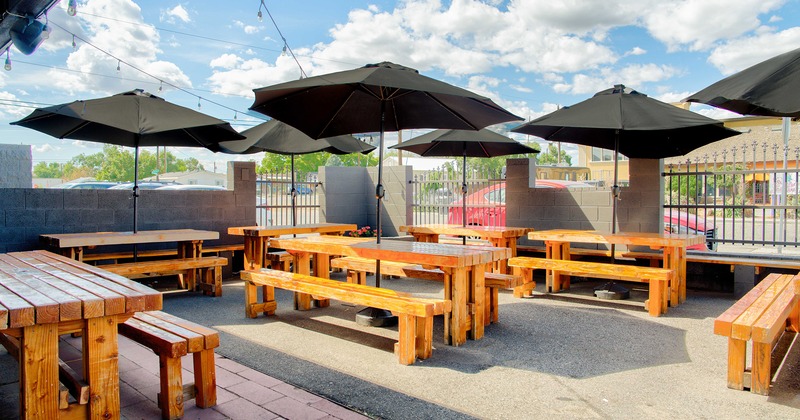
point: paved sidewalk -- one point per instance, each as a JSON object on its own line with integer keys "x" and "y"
{"x": 242, "y": 393}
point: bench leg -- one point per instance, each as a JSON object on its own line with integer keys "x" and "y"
{"x": 406, "y": 346}
{"x": 424, "y": 337}
{"x": 171, "y": 396}
{"x": 205, "y": 378}
{"x": 251, "y": 305}
{"x": 655, "y": 303}
{"x": 761, "y": 373}
{"x": 737, "y": 354}
{"x": 527, "y": 277}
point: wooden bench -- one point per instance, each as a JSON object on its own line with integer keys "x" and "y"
{"x": 762, "y": 315}
{"x": 210, "y": 271}
{"x": 415, "y": 315}
{"x": 757, "y": 261}
{"x": 574, "y": 252}
{"x": 71, "y": 383}
{"x": 358, "y": 268}
{"x": 149, "y": 253}
{"x": 171, "y": 338}
{"x": 658, "y": 278}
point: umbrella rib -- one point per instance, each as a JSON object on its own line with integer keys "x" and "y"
{"x": 450, "y": 110}
{"x": 76, "y": 128}
{"x": 338, "y": 110}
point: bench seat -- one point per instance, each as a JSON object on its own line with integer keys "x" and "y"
{"x": 762, "y": 315}
{"x": 358, "y": 268}
{"x": 758, "y": 262}
{"x": 658, "y": 278}
{"x": 171, "y": 338}
{"x": 125, "y": 255}
{"x": 210, "y": 269}
{"x": 415, "y": 315}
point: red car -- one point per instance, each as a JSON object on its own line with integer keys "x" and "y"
{"x": 487, "y": 207}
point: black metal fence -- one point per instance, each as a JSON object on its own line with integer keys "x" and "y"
{"x": 274, "y": 199}
{"x": 438, "y": 198}
{"x": 744, "y": 195}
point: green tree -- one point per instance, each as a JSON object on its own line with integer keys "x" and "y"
{"x": 48, "y": 170}
{"x": 549, "y": 156}
{"x": 116, "y": 163}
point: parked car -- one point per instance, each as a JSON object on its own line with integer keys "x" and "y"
{"x": 86, "y": 185}
{"x": 301, "y": 189}
{"x": 142, "y": 185}
{"x": 193, "y": 187}
{"x": 487, "y": 207}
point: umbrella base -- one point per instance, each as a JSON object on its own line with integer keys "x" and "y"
{"x": 375, "y": 317}
{"x": 612, "y": 291}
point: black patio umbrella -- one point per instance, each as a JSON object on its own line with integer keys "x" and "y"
{"x": 133, "y": 119}
{"x": 465, "y": 143}
{"x": 276, "y": 137}
{"x": 376, "y": 98}
{"x": 769, "y": 88}
{"x": 631, "y": 123}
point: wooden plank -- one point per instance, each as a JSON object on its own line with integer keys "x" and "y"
{"x": 46, "y": 310}
{"x": 772, "y": 322}
{"x": 163, "y": 266}
{"x": 724, "y": 323}
{"x": 348, "y": 292}
{"x": 69, "y": 307}
{"x": 68, "y": 240}
{"x": 39, "y": 385}
{"x": 194, "y": 341}
{"x": 651, "y": 239}
{"x": 48, "y": 277}
{"x": 138, "y": 297}
{"x": 20, "y": 312}
{"x": 275, "y": 231}
{"x": 593, "y": 269}
{"x": 211, "y": 335}
{"x": 459, "y": 230}
{"x": 154, "y": 338}
{"x": 101, "y": 366}
{"x": 743, "y": 325}
{"x": 129, "y": 254}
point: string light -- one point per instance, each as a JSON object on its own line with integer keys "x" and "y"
{"x": 199, "y": 106}
{"x": 283, "y": 52}
{"x": 235, "y": 114}
{"x": 72, "y": 8}
{"x": 260, "y": 15}
{"x": 8, "y": 61}
{"x": 118, "y": 63}
{"x": 74, "y": 45}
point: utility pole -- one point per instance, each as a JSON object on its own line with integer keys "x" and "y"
{"x": 399, "y": 151}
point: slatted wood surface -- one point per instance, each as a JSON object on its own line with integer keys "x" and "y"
{"x": 69, "y": 240}
{"x": 459, "y": 230}
{"x": 761, "y": 315}
{"x": 43, "y": 295}
{"x": 652, "y": 239}
{"x": 275, "y": 231}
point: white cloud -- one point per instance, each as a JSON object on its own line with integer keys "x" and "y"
{"x": 176, "y": 13}
{"x": 248, "y": 29}
{"x": 699, "y": 24}
{"x": 738, "y": 54}
{"x": 636, "y": 51}
{"x": 45, "y": 148}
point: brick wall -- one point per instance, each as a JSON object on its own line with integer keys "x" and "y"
{"x": 15, "y": 166}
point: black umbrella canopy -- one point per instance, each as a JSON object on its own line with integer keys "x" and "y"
{"x": 465, "y": 143}
{"x": 276, "y": 137}
{"x": 769, "y": 88}
{"x": 470, "y": 143}
{"x": 353, "y": 101}
{"x": 643, "y": 127}
{"x": 135, "y": 118}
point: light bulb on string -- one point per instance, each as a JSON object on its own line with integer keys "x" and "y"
{"x": 260, "y": 16}
{"x": 118, "y": 63}
{"x": 235, "y": 114}
{"x": 72, "y": 7}
{"x": 161, "y": 86}
{"x": 199, "y": 106}
{"x": 283, "y": 51}
{"x": 74, "y": 45}
{"x": 45, "y": 28}
{"x": 8, "y": 61}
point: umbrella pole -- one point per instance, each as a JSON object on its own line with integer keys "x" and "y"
{"x": 293, "y": 192}
{"x": 370, "y": 316}
{"x": 464, "y": 193}
{"x": 612, "y": 290}
{"x": 135, "y": 193}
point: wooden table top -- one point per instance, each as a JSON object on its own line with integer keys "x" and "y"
{"x": 651, "y": 239}
{"x": 459, "y": 230}
{"x": 40, "y": 287}
{"x": 289, "y": 229}
{"x": 69, "y": 240}
{"x": 442, "y": 255}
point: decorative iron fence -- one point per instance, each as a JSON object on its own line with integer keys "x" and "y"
{"x": 274, "y": 199}
{"x": 437, "y": 198}
{"x": 745, "y": 195}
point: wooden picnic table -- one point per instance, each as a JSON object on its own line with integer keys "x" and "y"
{"x": 464, "y": 268}
{"x": 498, "y": 236}
{"x": 44, "y": 295}
{"x": 673, "y": 246}
{"x": 256, "y": 238}
{"x": 72, "y": 245}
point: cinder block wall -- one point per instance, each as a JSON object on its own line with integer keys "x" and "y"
{"x": 15, "y": 166}
{"x": 349, "y": 196}
{"x": 25, "y": 213}
{"x": 552, "y": 208}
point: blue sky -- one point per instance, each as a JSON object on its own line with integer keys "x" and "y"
{"x": 530, "y": 56}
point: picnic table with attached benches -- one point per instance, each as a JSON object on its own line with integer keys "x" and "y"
{"x": 768, "y": 310}
{"x": 464, "y": 268}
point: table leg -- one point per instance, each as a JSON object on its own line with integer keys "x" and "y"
{"x": 254, "y": 250}
{"x": 555, "y": 281}
{"x": 302, "y": 265}
{"x": 501, "y": 266}
{"x": 477, "y": 300}
{"x": 459, "y": 284}
{"x": 101, "y": 366}
{"x": 38, "y": 372}
{"x": 675, "y": 259}
{"x": 322, "y": 268}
